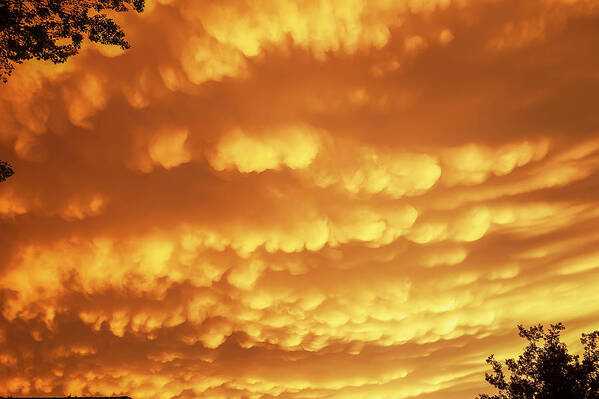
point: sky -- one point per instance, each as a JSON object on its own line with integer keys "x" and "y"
{"x": 300, "y": 199}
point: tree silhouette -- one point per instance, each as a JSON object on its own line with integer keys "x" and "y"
{"x": 545, "y": 370}
{"x": 54, "y": 29}
{"x": 5, "y": 171}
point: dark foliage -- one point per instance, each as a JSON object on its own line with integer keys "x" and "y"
{"x": 5, "y": 171}
{"x": 53, "y": 30}
{"x": 545, "y": 370}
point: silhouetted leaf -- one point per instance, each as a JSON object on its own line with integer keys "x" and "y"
{"x": 6, "y": 171}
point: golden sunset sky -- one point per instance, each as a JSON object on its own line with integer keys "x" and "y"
{"x": 300, "y": 199}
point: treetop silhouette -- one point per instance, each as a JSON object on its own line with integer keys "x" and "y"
{"x": 545, "y": 370}
{"x": 53, "y": 30}
{"x": 6, "y": 171}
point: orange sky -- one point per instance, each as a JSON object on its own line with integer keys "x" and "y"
{"x": 300, "y": 199}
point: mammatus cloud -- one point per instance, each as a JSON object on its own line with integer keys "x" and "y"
{"x": 300, "y": 199}
{"x": 293, "y": 147}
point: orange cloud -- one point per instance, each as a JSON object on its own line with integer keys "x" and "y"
{"x": 299, "y": 199}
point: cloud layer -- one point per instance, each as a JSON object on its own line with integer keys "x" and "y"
{"x": 300, "y": 199}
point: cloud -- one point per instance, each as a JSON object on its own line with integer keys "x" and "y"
{"x": 168, "y": 149}
{"x": 299, "y": 199}
{"x": 293, "y": 146}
